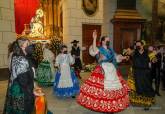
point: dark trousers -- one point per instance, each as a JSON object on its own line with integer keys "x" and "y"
{"x": 143, "y": 82}
{"x": 163, "y": 79}
{"x": 155, "y": 72}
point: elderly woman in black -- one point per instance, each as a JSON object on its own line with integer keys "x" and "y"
{"x": 20, "y": 98}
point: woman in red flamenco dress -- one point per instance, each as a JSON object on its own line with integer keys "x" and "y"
{"x": 105, "y": 90}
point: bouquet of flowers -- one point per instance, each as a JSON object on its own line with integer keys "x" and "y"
{"x": 127, "y": 53}
{"x": 89, "y": 67}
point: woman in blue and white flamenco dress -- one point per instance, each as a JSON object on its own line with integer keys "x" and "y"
{"x": 66, "y": 83}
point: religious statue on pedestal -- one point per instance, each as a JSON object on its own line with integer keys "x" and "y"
{"x": 36, "y": 25}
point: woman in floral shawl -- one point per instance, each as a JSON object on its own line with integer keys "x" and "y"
{"x": 20, "y": 98}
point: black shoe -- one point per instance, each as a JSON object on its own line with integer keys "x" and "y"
{"x": 157, "y": 93}
{"x": 73, "y": 97}
{"x": 146, "y": 108}
{"x": 163, "y": 89}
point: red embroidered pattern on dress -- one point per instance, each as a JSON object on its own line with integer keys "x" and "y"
{"x": 93, "y": 96}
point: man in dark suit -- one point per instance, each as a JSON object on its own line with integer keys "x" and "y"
{"x": 75, "y": 52}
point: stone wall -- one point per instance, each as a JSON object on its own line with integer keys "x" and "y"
{"x": 74, "y": 17}
{"x": 7, "y": 29}
{"x": 109, "y": 10}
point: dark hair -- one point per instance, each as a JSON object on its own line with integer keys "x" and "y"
{"x": 131, "y": 47}
{"x": 10, "y": 48}
{"x": 139, "y": 41}
{"x": 62, "y": 47}
{"x": 47, "y": 45}
{"x": 102, "y": 39}
{"x": 17, "y": 50}
{"x": 159, "y": 46}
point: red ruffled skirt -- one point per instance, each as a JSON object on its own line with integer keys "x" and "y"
{"x": 93, "y": 96}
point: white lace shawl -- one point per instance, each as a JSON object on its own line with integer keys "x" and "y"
{"x": 19, "y": 65}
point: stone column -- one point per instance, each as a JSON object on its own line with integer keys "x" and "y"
{"x": 154, "y": 20}
{"x": 109, "y": 8}
{"x": 7, "y": 29}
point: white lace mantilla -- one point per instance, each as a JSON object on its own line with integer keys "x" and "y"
{"x": 111, "y": 79}
{"x": 19, "y": 65}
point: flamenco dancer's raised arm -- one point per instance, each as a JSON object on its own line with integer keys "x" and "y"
{"x": 93, "y": 50}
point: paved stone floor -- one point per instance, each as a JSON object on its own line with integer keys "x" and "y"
{"x": 69, "y": 106}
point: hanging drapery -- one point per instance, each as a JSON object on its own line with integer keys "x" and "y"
{"x": 24, "y": 11}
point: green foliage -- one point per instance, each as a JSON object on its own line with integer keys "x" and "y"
{"x": 38, "y": 53}
{"x": 55, "y": 45}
